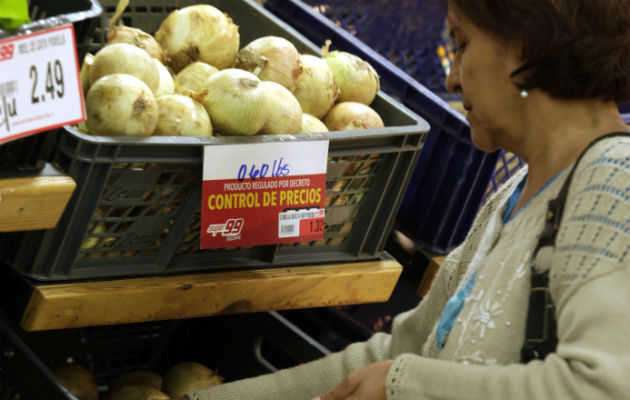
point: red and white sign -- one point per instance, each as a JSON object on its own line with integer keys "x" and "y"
{"x": 40, "y": 85}
{"x": 263, "y": 193}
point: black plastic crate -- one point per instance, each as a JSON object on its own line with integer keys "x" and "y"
{"x": 135, "y": 210}
{"x": 32, "y": 152}
{"x": 236, "y": 346}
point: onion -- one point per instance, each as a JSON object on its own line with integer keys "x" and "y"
{"x": 78, "y": 380}
{"x": 193, "y": 78}
{"x": 124, "y": 58}
{"x": 271, "y": 58}
{"x": 316, "y": 89}
{"x": 136, "y": 392}
{"x": 85, "y": 72}
{"x": 285, "y": 113}
{"x": 166, "y": 86}
{"x": 180, "y": 115}
{"x": 118, "y": 33}
{"x": 310, "y": 124}
{"x": 236, "y": 102}
{"x": 357, "y": 80}
{"x": 121, "y": 104}
{"x": 186, "y": 377}
{"x": 137, "y": 377}
{"x": 351, "y": 115}
{"x": 199, "y": 33}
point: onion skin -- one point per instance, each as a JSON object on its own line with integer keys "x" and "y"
{"x": 180, "y": 115}
{"x": 310, "y": 124}
{"x": 316, "y": 89}
{"x": 351, "y": 115}
{"x": 236, "y": 102}
{"x": 166, "y": 84}
{"x": 271, "y": 58}
{"x": 285, "y": 113}
{"x": 136, "y": 392}
{"x": 193, "y": 78}
{"x": 138, "y": 38}
{"x": 357, "y": 80}
{"x": 124, "y": 58}
{"x": 137, "y": 377}
{"x": 121, "y": 105}
{"x": 85, "y": 72}
{"x": 199, "y": 33}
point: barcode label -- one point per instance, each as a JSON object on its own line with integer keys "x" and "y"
{"x": 289, "y": 222}
{"x": 8, "y": 88}
{"x": 287, "y": 228}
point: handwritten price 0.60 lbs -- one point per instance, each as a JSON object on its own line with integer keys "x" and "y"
{"x": 53, "y": 82}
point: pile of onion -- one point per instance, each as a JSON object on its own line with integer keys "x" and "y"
{"x": 123, "y": 58}
{"x": 285, "y": 113}
{"x": 236, "y": 102}
{"x": 316, "y": 89}
{"x": 271, "y": 58}
{"x": 119, "y": 33}
{"x": 199, "y": 33}
{"x": 357, "y": 80}
{"x": 180, "y": 115}
{"x": 352, "y": 115}
{"x": 121, "y": 104}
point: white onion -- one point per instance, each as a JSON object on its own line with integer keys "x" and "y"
{"x": 121, "y": 104}
{"x": 271, "y": 58}
{"x": 285, "y": 113}
{"x": 85, "y": 72}
{"x": 357, "y": 80}
{"x": 316, "y": 89}
{"x": 124, "y": 58}
{"x": 352, "y": 115}
{"x": 119, "y": 33}
{"x": 199, "y": 33}
{"x": 181, "y": 116}
{"x": 166, "y": 86}
{"x": 193, "y": 78}
{"x": 236, "y": 102}
{"x": 311, "y": 124}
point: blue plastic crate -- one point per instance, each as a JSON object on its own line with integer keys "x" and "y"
{"x": 406, "y": 32}
{"x": 451, "y": 179}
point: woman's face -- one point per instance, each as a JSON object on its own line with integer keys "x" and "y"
{"x": 481, "y": 72}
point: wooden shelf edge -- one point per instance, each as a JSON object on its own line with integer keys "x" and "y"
{"x": 34, "y": 202}
{"x": 72, "y": 305}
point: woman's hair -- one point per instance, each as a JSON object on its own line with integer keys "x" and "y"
{"x": 573, "y": 49}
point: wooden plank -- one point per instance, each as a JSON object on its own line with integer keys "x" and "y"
{"x": 70, "y": 305}
{"x": 34, "y": 202}
{"x": 429, "y": 274}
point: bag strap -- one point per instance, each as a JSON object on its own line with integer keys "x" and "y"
{"x": 540, "y": 332}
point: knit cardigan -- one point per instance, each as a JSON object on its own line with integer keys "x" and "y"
{"x": 589, "y": 284}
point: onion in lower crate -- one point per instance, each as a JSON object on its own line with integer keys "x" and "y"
{"x": 136, "y": 392}
{"x": 79, "y": 381}
{"x": 187, "y": 376}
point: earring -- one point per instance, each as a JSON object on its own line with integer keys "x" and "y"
{"x": 524, "y": 94}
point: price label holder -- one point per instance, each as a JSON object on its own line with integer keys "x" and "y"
{"x": 263, "y": 193}
{"x": 40, "y": 85}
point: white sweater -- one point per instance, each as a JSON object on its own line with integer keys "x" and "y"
{"x": 589, "y": 284}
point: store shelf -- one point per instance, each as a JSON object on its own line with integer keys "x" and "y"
{"x": 47, "y": 306}
{"x": 33, "y": 200}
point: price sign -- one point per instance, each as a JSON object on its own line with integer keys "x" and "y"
{"x": 40, "y": 87}
{"x": 263, "y": 193}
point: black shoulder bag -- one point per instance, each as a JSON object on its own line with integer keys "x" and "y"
{"x": 540, "y": 332}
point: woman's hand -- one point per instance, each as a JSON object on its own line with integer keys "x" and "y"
{"x": 367, "y": 383}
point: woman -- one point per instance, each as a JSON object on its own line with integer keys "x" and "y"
{"x": 540, "y": 78}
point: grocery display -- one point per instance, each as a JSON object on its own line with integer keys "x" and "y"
{"x": 136, "y": 209}
{"x": 147, "y": 354}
